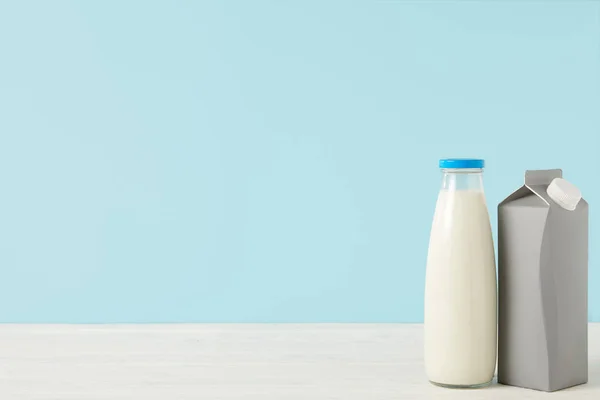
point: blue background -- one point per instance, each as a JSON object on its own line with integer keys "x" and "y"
{"x": 259, "y": 161}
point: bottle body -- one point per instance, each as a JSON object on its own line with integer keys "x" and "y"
{"x": 461, "y": 291}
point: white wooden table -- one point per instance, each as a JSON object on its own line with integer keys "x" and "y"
{"x": 343, "y": 361}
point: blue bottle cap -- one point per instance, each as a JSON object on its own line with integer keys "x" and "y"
{"x": 461, "y": 163}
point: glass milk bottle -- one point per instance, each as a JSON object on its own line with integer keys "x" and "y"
{"x": 460, "y": 288}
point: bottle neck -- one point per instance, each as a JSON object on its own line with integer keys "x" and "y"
{"x": 462, "y": 179}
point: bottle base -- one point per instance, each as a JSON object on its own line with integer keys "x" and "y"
{"x": 450, "y": 386}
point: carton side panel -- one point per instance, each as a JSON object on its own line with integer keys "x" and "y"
{"x": 565, "y": 294}
{"x": 522, "y": 350}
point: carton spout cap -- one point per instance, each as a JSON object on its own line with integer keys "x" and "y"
{"x": 564, "y": 193}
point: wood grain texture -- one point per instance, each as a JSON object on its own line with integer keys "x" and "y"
{"x": 268, "y": 361}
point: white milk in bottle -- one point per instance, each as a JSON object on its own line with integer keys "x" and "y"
{"x": 460, "y": 288}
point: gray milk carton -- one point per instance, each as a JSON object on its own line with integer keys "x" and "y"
{"x": 542, "y": 284}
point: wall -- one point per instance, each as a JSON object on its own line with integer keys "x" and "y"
{"x": 259, "y": 161}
